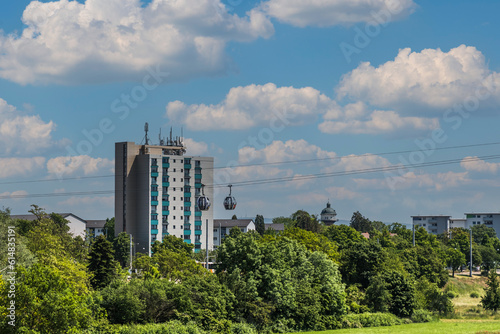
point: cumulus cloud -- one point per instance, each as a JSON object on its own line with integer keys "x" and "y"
{"x": 21, "y": 133}
{"x": 77, "y": 165}
{"x": 279, "y": 151}
{"x": 475, "y": 164}
{"x": 195, "y": 148}
{"x": 20, "y": 166}
{"x": 325, "y": 13}
{"x": 110, "y": 40}
{"x": 423, "y": 81}
{"x": 356, "y": 118}
{"x": 438, "y": 181}
{"x": 18, "y": 194}
{"x": 245, "y": 107}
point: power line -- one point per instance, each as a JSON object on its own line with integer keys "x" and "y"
{"x": 288, "y": 178}
{"x": 265, "y": 163}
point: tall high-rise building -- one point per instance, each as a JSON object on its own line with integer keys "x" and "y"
{"x": 156, "y": 187}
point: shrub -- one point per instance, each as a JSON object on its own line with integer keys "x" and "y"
{"x": 452, "y": 294}
{"x": 474, "y": 295}
{"x": 242, "y": 328}
{"x": 370, "y": 320}
{"x": 422, "y": 316}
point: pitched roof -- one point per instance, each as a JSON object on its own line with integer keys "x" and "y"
{"x": 232, "y": 222}
{"x": 96, "y": 223}
{"x": 275, "y": 226}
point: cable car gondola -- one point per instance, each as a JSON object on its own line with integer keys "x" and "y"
{"x": 230, "y": 202}
{"x": 203, "y": 202}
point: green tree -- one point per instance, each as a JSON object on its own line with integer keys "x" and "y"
{"x": 307, "y": 222}
{"x": 491, "y": 299}
{"x": 489, "y": 257}
{"x": 483, "y": 235}
{"x": 360, "y": 223}
{"x": 287, "y": 222}
{"x": 361, "y": 261}
{"x": 455, "y": 259}
{"x": 109, "y": 229}
{"x": 174, "y": 244}
{"x": 344, "y": 236}
{"x": 234, "y": 217}
{"x": 313, "y": 241}
{"x": 260, "y": 227}
{"x": 101, "y": 263}
{"x": 47, "y": 302}
{"x": 121, "y": 245}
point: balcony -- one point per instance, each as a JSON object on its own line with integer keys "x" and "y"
{"x": 166, "y": 184}
{"x": 187, "y": 213}
{"x": 154, "y": 192}
{"x": 154, "y": 202}
{"x": 187, "y": 204}
{"x": 187, "y": 166}
{"x": 154, "y": 174}
{"x": 165, "y": 165}
{"x": 197, "y": 232}
{"x": 187, "y": 194}
{"x": 197, "y": 213}
{"x": 154, "y": 231}
{"x": 197, "y": 185}
{"x": 165, "y": 212}
{"x": 197, "y": 176}
{"x": 187, "y": 232}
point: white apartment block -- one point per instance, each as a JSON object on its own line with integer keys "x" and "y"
{"x": 156, "y": 188}
{"x": 488, "y": 219}
{"x": 222, "y": 227}
{"x": 433, "y": 224}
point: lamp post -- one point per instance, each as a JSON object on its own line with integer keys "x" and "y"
{"x": 470, "y": 252}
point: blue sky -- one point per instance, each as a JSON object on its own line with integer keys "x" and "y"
{"x": 253, "y": 83}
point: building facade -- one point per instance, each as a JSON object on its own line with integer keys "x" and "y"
{"x": 433, "y": 224}
{"x": 487, "y": 219}
{"x": 156, "y": 188}
{"x": 222, "y": 227}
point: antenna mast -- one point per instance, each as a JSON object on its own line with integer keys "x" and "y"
{"x": 146, "y": 129}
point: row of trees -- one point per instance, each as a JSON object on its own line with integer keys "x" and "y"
{"x": 307, "y": 277}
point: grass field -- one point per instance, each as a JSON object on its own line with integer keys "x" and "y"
{"x": 443, "y": 327}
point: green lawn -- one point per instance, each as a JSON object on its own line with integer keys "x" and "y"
{"x": 442, "y": 327}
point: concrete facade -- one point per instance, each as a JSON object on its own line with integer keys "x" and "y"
{"x": 156, "y": 188}
{"x": 433, "y": 224}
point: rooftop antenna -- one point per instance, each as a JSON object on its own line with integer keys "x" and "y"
{"x": 161, "y": 139}
{"x": 146, "y": 129}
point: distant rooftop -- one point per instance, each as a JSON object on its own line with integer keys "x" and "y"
{"x": 232, "y": 222}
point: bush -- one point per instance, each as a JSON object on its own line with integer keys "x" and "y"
{"x": 370, "y": 320}
{"x": 422, "y": 316}
{"x": 452, "y": 294}
{"x": 474, "y": 295}
{"x": 173, "y": 327}
{"x": 242, "y": 328}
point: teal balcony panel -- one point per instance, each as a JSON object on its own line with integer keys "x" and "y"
{"x": 154, "y": 231}
{"x": 154, "y": 193}
{"x": 187, "y": 232}
{"x": 197, "y": 232}
{"x": 154, "y": 202}
{"x": 154, "y": 174}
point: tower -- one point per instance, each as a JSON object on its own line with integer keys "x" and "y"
{"x": 329, "y": 215}
{"x": 156, "y": 187}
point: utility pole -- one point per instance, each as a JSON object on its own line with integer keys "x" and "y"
{"x": 413, "y": 234}
{"x": 470, "y": 252}
{"x": 207, "y": 240}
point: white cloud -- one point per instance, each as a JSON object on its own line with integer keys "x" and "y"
{"x": 20, "y": 166}
{"x": 22, "y": 134}
{"x": 341, "y": 193}
{"x": 438, "y": 181}
{"x": 354, "y": 162}
{"x": 195, "y": 148}
{"x": 355, "y": 118}
{"x": 109, "y": 40}
{"x": 246, "y": 107}
{"x": 18, "y": 194}
{"x": 279, "y": 151}
{"x": 477, "y": 165}
{"x": 325, "y": 13}
{"x": 426, "y": 80}
{"x": 76, "y": 165}
{"x": 79, "y": 201}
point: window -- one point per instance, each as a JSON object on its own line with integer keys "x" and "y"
{"x": 154, "y": 198}
{"x": 174, "y": 207}
{"x": 182, "y": 208}
{"x": 174, "y": 188}
{"x": 197, "y": 163}
{"x": 174, "y": 179}
{"x": 215, "y": 230}
{"x": 182, "y": 180}
{"x": 174, "y": 161}
{"x": 174, "y": 218}
{"x": 242, "y": 230}
{"x": 182, "y": 170}
{"x": 181, "y": 218}
{"x": 182, "y": 161}
{"x": 173, "y": 227}
{"x": 182, "y": 199}
{"x": 174, "y": 168}
{"x": 186, "y": 237}
{"x": 215, "y": 238}
{"x": 174, "y": 198}
{"x": 154, "y": 227}
{"x": 181, "y": 227}
{"x": 182, "y": 189}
